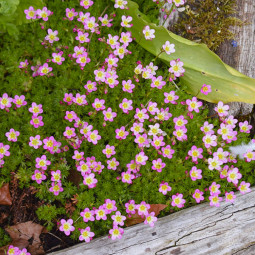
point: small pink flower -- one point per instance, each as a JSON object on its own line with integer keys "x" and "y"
{"x": 93, "y": 137}
{"x": 37, "y": 121}
{"x": 56, "y": 188}
{"x": 130, "y": 207}
{"x": 177, "y": 200}
{"x": 176, "y": 68}
{"x": 206, "y": 89}
{"x": 69, "y": 132}
{"x": 214, "y": 189}
{"x": 66, "y": 226}
{"x": 82, "y": 37}
{"x": 127, "y": 177}
{"x": 126, "y": 105}
{"x": 244, "y": 187}
{"x": 195, "y": 174}
{"x": 68, "y": 98}
{"x": 128, "y": 86}
{"x": 126, "y": 21}
{"x": 70, "y": 14}
{"x": 99, "y": 104}
{"x": 222, "y": 109}
{"x": 109, "y": 151}
{"x": 215, "y": 200}
{"x": 42, "y": 162}
{"x": 57, "y": 58}
{"x": 157, "y": 82}
{"x": 23, "y": 64}
{"x": 86, "y": 235}
{"x": 52, "y": 36}
{"x": 195, "y": 153}
{"x": 30, "y": 13}
{"x": 121, "y": 133}
{"x": 86, "y": 3}
{"x": 100, "y": 213}
{"x": 90, "y": 86}
{"x": 4, "y": 150}
{"x": 88, "y": 215}
{"x": 43, "y": 14}
{"x": 38, "y": 176}
{"x": 90, "y": 180}
{"x": 80, "y": 99}
{"x": 116, "y": 232}
{"x": 19, "y": 101}
{"x": 164, "y": 188}
{"x": 35, "y": 141}
{"x": 109, "y": 114}
{"x": 198, "y": 195}
{"x": 141, "y": 158}
{"x": 230, "y": 196}
{"x": 56, "y": 176}
{"x": 44, "y": 69}
{"x": 110, "y": 206}
{"x": 118, "y": 219}
{"x": 170, "y": 97}
{"x": 83, "y": 59}
{"x": 142, "y": 208}
{"x": 193, "y": 105}
{"x": 12, "y": 135}
{"x": 5, "y": 101}
{"x": 167, "y": 152}
{"x": 150, "y": 219}
{"x": 245, "y": 127}
{"x": 112, "y": 164}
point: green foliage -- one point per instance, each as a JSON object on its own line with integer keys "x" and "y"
{"x": 4, "y": 238}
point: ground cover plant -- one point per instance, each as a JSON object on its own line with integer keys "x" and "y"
{"x": 103, "y": 130}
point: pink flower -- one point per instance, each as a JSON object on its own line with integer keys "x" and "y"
{"x": 126, "y": 105}
{"x": 82, "y": 37}
{"x": 85, "y": 130}
{"x": 93, "y": 137}
{"x": 56, "y": 188}
{"x": 99, "y": 104}
{"x": 70, "y": 14}
{"x": 215, "y": 200}
{"x": 109, "y": 114}
{"x": 127, "y": 177}
{"x": 86, "y": 3}
{"x": 180, "y": 134}
{"x": 116, "y": 232}
{"x": 110, "y": 206}
{"x": 245, "y": 127}
{"x": 5, "y": 101}
{"x": 176, "y": 68}
{"x": 148, "y": 33}
{"x": 152, "y": 108}
{"x": 195, "y": 173}
{"x": 207, "y": 128}
{"x": 100, "y": 213}
{"x": 164, "y": 188}
{"x": 230, "y": 196}
{"x": 57, "y": 58}
{"x": 90, "y": 180}
{"x": 38, "y": 176}
{"x": 205, "y": 89}
{"x": 66, "y": 226}
{"x": 30, "y": 13}
{"x": 23, "y": 64}
{"x": 109, "y": 151}
{"x": 141, "y": 140}
{"x": 105, "y": 21}
{"x": 150, "y": 219}
{"x": 70, "y": 116}
{"x": 120, "y": 51}
{"x": 195, "y": 153}
{"x": 222, "y": 155}
{"x": 37, "y": 121}
{"x": 12, "y": 250}
{"x": 12, "y": 135}
{"x": 141, "y": 115}
{"x": 90, "y": 86}
{"x": 214, "y": 189}
{"x": 209, "y": 140}
{"x": 44, "y": 69}
{"x": 112, "y": 164}
{"x": 168, "y": 48}
{"x": 68, "y": 98}
{"x": 244, "y": 187}
{"x": 56, "y": 176}
{"x": 83, "y": 59}
{"x": 177, "y": 200}
{"x": 36, "y": 109}
{"x": 112, "y": 61}
{"x": 128, "y": 86}
{"x": 90, "y": 24}
{"x": 137, "y": 128}
{"x": 42, "y": 162}
{"x": 222, "y": 109}
{"x": 249, "y": 155}
{"x": 52, "y": 36}
{"x": 118, "y": 219}
{"x": 157, "y": 82}
{"x": 193, "y": 105}
{"x": 167, "y": 152}
{"x": 141, "y": 158}
{"x": 86, "y": 235}
{"x": 80, "y": 99}
{"x": 4, "y": 150}
{"x": 113, "y": 41}
{"x": 78, "y": 155}
{"x": 19, "y": 101}
{"x": 170, "y": 97}
{"x": 125, "y": 21}
{"x": 121, "y": 133}
{"x": 69, "y": 132}
{"x": 158, "y": 142}
{"x": 35, "y": 141}
{"x": 88, "y": 215}
{"x": 214, "y": 163}
{"x": 234, "y": 175}
{"x": 130, "y": 207}
{"x": 142, "y": 208}
{"x": 126, "y": 38}
{"x": 43, "y": 14}
{"x": 198, "y": 195}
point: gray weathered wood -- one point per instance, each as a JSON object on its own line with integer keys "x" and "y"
{"x": 199, "y": 230}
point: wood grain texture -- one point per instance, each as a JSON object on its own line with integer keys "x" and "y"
{"x": 199, "y": 230}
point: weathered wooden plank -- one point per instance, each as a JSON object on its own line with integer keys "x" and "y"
{"x": 199, "y": 230}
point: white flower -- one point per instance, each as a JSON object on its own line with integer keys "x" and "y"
{"x": 148, "y": 33}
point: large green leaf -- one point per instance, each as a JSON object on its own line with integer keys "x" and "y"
{"x": 201, "y": 64}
